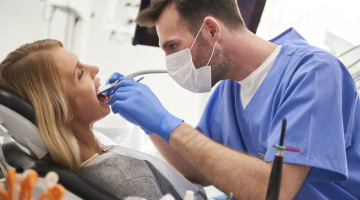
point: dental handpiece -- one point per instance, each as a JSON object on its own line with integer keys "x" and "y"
{"x": 143, "y": 72}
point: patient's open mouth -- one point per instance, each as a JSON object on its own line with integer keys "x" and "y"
{"x": 102, "y": 98}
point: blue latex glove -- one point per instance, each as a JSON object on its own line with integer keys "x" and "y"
{"x": 115, "y": 76}
{"x": 136, "y": 101}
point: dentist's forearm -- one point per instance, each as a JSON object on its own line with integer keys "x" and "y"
{"x": 229, "y": 170}
{"x": 174, "y": 159}
{"x": 226, "y": 169}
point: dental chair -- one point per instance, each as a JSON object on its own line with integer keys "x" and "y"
{"x": 17, "y": 119}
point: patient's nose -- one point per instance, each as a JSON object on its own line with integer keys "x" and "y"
{"x": 94, "y": 71}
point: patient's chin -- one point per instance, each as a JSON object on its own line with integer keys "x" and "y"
{"x": 96, "y": 112}
{"x": 106, "y": 112}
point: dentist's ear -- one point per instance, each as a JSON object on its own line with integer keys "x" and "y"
{"x": 212, "y": 28}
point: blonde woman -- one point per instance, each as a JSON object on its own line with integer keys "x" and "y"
{"x": 62, "y": 91}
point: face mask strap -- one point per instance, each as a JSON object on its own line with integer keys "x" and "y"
{"x": 211, "y": 54}
{"x": 196, "y": 37}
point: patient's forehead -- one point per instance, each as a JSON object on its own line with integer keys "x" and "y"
{"x": 66, "y": 62}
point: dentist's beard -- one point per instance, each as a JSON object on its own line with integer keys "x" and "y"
{"x": 220, "y": 68}
{"x": 220, "y": 62}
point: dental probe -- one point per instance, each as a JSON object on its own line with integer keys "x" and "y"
{"x": 110, "y": 86}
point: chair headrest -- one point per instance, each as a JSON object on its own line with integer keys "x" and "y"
{"x": 18, "y": 105}
{"x": 18, "y": 118}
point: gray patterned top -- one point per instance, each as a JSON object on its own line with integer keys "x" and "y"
{"x": 124, "y": 176}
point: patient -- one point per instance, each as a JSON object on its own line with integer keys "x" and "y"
{"x": 63, "y": 91}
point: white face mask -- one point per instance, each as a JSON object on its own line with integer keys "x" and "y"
{"x": 181, "y": 68}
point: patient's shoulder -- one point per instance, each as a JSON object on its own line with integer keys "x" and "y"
{"x": 117, "y": 165}
{"x": 111, "y": 173}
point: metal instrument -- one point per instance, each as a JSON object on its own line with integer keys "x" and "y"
{"x": 3, "y": 164}
{"x": 112, "y": 85}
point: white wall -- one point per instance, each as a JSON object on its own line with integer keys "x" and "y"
{"x": 21, "y": 22}
{"x": 126, "y": 58}
{"x": 311, "y": 19}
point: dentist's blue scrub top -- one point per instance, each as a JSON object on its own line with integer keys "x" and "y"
{"x": 318, "y": 96}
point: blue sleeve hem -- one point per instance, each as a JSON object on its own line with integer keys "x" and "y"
{"x": 323, "y": 169}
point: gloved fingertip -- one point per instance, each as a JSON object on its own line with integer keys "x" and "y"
{"x": 114, "y": 77}
{"x": 117, "y": 76}
{"x": 121, "y": 78}
{"x": 110, "y": 93}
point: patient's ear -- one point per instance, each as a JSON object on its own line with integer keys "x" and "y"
{"x": 70, "y": 116}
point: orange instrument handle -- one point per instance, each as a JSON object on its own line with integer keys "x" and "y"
{"x": 3, "y": 194}
{"x": 58, "y": 191}
{"x": 47, "y": 195}
{"x": 10, "y": 181}
{"x": 28, "y": 184}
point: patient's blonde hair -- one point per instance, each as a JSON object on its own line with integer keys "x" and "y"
{"x": 30, "y": 72}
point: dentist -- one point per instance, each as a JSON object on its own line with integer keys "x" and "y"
{"x": 261, "y": 82}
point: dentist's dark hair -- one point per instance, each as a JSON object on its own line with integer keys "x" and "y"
{"x": 193, "y": 13}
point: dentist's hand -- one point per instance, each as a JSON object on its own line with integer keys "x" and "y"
{"x": 138, "y": 104}
{"x": 115, "y": 76}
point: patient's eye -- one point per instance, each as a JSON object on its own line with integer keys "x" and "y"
{"x": 81, "y": 74}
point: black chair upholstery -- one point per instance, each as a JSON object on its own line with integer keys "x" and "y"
{"x": 73, "y": 182}
{"x": 18, "y": 105}
{"x": 20, "y": 160}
